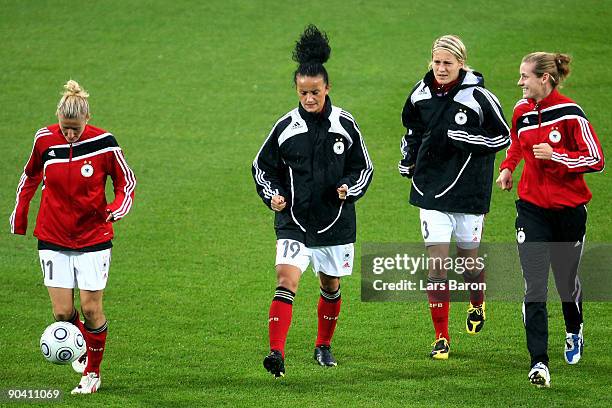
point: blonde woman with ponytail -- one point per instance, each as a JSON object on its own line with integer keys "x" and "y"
{"x": 552, "y": 134}
{"x": 74, "y": 226}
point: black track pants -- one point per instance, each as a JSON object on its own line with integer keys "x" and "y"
{"x": 549, "y": 238}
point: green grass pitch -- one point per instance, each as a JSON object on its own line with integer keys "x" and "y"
{"x": 191, "y": 89}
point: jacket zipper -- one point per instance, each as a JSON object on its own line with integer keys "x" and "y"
{"x": 544, "y": 182}
{"x": 70, "y": 191}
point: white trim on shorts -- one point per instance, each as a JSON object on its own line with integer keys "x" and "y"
{"x": 71, "y": 269}
{"x": 334, "y": 260}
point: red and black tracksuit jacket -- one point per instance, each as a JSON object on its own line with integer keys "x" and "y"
{"x": 73, "y": 206}
{"x": 551, "y": 213}
{"x": 560, "y": 122}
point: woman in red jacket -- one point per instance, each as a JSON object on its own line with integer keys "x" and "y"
{"x": 552, "y": 134}
{"x": 74, "y": 223}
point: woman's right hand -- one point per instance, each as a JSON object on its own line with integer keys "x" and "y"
{"x": 504, "y": 181}
{"x": 278, "y": 203}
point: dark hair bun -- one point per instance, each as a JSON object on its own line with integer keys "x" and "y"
{"x": 312, "y": 47}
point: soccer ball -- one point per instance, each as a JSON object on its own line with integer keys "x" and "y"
{"x": 62, "y": 343}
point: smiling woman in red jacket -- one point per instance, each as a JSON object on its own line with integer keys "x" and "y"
{"x": 552, "y": 134}
{"x": 74, "y": 225}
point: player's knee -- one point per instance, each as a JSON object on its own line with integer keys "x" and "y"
{"x": 329, "y": 283}
{"x": 331, "y": 286}
{"x": 288, "y": 283}
{"x": 92, "y": 312}
{"x": 63, "y": 314}
{"x": 536, "y": 292}
{"x": 472, "y": 273}
{"x": 437, "y": 273}
{"x": 288, "y": 277}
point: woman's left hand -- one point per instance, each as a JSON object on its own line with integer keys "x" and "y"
{"x": 342, "y": 190}
{"x": 543, "y": 151}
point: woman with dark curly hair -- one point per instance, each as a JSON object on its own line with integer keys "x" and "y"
{"x": 311, "y": 169}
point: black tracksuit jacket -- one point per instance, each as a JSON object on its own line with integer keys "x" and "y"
{"x": 451, "y": 141}
{"x": 305, "y": 158}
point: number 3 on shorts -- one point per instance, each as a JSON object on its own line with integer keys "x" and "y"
{"x": 425, "y": 230}
{"x": 292, "y": 246}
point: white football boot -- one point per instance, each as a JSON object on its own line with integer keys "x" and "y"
{"x": 80, "y": 363}
{"x": 89, "y": 384}
{"x": 539, "y": 375}
{"x": 574, "y": 347}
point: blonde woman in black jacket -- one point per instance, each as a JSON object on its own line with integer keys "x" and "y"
{"x": 454, "y": 126}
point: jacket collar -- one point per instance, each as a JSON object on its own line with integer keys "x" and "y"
{"x": 315, "y": 117}
{"x": 466, "y": 79}
{"x": 550, "y": 100}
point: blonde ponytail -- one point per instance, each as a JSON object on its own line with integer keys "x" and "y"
{"x": 73, "y": 104}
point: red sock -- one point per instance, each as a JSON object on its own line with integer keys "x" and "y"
{"x": 328, "y": 311}
{"x": 279, "y": 318}
{"x": 439, "y": 305}
{"x": 476, "y": 296}
{"x": 76, "y": 320}
{"x": 96, "y": 342}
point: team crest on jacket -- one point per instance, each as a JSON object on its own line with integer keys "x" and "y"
{"x": 87, "y": 169}
{"x": 520, "y": 236}
{"x": 554, "y": 136}
{"x": 461, "y": 117}
{"x": 338, "y": 146}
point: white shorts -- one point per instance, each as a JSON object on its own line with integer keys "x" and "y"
{"x": 68, "y": 269}
{"x": 336, "y": 260}
{"x": 438, "y": 227}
